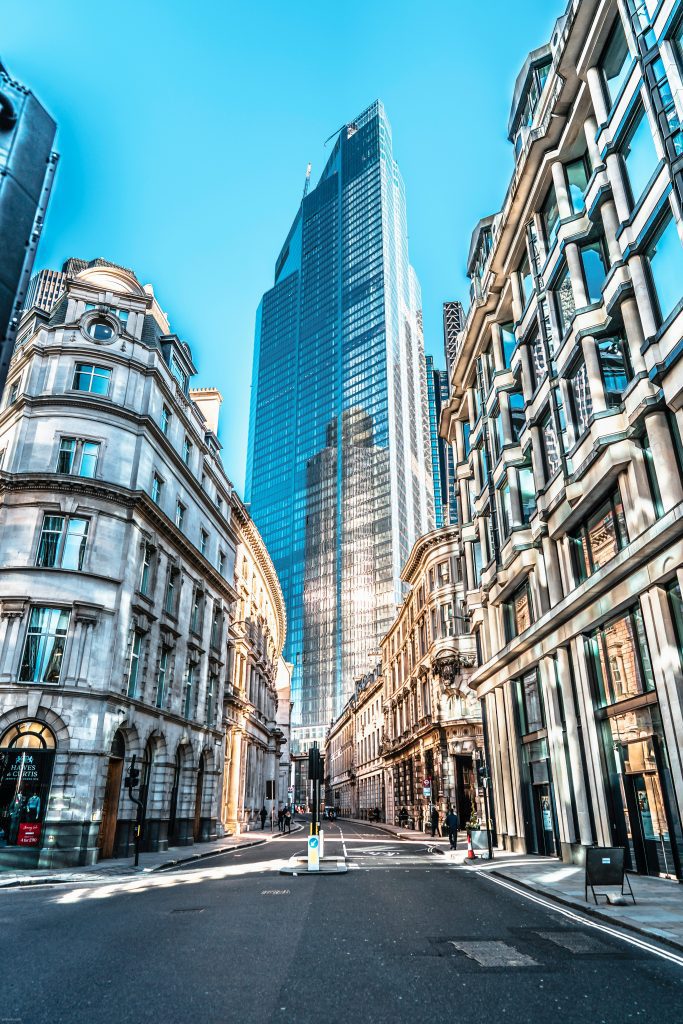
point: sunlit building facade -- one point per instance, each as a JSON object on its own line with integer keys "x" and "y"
{"x": 338, "y": 472}
{"x": 565, "y": 420}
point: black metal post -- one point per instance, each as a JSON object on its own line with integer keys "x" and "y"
{"x": 132, "y": 780}
{"x": 486, "y": 812}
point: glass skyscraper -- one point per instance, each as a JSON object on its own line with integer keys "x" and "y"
{"x": 338, "y": 469}
{"x": 441, "y": 453}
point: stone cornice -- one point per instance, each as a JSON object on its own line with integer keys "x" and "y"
{"x": 260, "y": 552}
{"x": 422, "y": 547}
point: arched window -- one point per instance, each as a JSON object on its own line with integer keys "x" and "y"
{"x": 27, "y": 752}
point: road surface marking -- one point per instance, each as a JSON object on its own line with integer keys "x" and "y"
{"x": 495, "y": 954}
{"x": 587, "y": 922}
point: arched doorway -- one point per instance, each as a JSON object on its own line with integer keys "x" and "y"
{"x": 112, "y": 793}
{"x": 199, "y": 796}
{"x": 27, "y": 753}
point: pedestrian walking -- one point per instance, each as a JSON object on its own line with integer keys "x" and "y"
{"x": 435, "y": 821}
{"x": 263, "y": 815}
{"x": 452, "y": 823}
{"x": 281, "y": 819}
{"x": 403, "y": 817}
{"x": 288, "y": 819}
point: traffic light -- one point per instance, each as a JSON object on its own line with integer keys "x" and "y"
{"x": 315, "y": 764}
{"x": 133, "y": 777}
{"x": 482, "y": 773}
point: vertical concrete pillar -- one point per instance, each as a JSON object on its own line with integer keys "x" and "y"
{"x": 615, "y": 174}
{"x": 590, "y": 129}
{"x": 596, "y": 781}
{"x": 664, "y": 457}
{"x": 577, "y": 781}
{"x": 558, "y": 758}
{"x": 234, "y": 776}
{"x": 564, "y": 205}
{"x": 610, "y": 222}
{"x": 552, "y": 571}
{"x": 576, "y": 274}
{"x": 594, "y": 80}
{"x": 597, "y": 388}
{"x": 634, "y": 334}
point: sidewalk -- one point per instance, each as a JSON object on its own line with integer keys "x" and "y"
{"x": 657, "y": 913}
{"x": 124, "y": 868}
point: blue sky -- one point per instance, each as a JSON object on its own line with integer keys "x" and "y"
{"x": 185, "y": 129}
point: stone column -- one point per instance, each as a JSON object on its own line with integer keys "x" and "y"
{"x": 233, "y": 784}
{"x": 592, "y": 743}
{"x": 576, "y": 274}
{"x": 597, "y": 388}
{"x": 552, "y": 570}
{"x": 619, "y": 193}
{"x": 564, "y": 205}
{"x": 594, "y": 80}
{"x": 557, "y": 754}
{"x": 527, "y": 375}
{"x": 664, "y": 458}
{"x": 610, "y": 221}
{"x": 577, "y": 780}
{"x": 590, "y": 129}
{"x": 634, "y": 334}
{"x": 648, "y": 319}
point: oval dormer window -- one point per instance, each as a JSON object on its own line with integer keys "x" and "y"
{"x": 100, "y": 330}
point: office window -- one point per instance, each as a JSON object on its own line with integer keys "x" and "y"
{"x": 90, "y": 453}
{"x": 13, "y": 393}
{"x": 179, "y": 514}
{"x": 517, "y": 612}
{"x": 62, "y": 542}
{"x": 496, "y": 433}
{"x": 551, "y": 448}
{"x": 530, "y": 702}
{"x": 619, "y": 659}
{"x": 550, "y": 216}
{"x": 165, "y": 421}
{"x": 189, "y": 692}
{"x": 651, "y": 470}
{"x": 79, "y": 458}
{"x": 160, "y": 694}
{"x": 157, "y": 488}
{"x": 615, "y": 63}
{"x": 211, "y": 691}
{"x": 146, "y": 568}
{"x": 95, "y": 379}
{"x": 196, "y": 612}
{"x": 134, "y": 667}
{"x": 170, "y": 597}
{"x": 178, "y": 372}
{"x": 216, "y": 628}
{"x": 667, "y": 115}
{"x": 527, "y": 492}
{"x": 2, "y": 457}
{"x": 187, "y": 451}
{"x": 220, "y": 563}
{"x": 203, "y": 541}
{"x": 539, "y": 363}
{"x": 639, "y": 154}
{"x": 599, "y": 538}
{"x": 447, "y": 616}
{"x": 595, "y": 266}
{"x": 516, "y": 405}
{"x": 505, "y": 502}
{"x": 444, "y": 573}
{"x": 578, "y": 174}
{"x": 615, "y": 367}
{"x": 564, "y": 300}
{"x": 665, "y": 261}
{"x": 526, "y": 279}
{"x": 581, "y": 400}
{"x": 466, "y": 446}
{"x": 44, "y": 646}
{"x": 508, "y": 341}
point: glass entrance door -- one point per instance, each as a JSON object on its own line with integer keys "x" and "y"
{"x": 543, "y": 813}
{"x": 650, "y": 831}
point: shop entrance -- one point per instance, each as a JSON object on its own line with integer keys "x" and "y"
{"x": 27, "y": 753}
{"x": 543, "y": 814}
{"x": 112, "y": 794}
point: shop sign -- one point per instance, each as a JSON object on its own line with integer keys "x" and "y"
{"x": 427, "y": 787}
{"x": 29, "y": 833}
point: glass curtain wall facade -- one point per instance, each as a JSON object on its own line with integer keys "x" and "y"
{"x": 338, "y": 469}
{"x": 441, "y": 453}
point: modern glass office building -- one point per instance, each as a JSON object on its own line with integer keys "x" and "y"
{"x": 441, "y": 453}
{"x": 338, "y": 471}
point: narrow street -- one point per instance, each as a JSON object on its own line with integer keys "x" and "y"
{"x": 403, "y": 935}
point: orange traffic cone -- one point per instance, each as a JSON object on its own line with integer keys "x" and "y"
{"x": 470, "y": 851}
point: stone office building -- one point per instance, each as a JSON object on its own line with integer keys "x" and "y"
{"x": 354, "y": 768}
{"x": 433, "y": 727}
{"x": 118, "y": 538}
{"x": 566, "y": 421}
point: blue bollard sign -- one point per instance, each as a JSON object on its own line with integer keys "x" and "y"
{"x": 313, "y": 853}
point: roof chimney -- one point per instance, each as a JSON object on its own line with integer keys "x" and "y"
{"x": 208, "y": 400}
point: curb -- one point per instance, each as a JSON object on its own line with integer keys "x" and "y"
{"x": 125, "y": 874}
{"x": 592, "y": 911}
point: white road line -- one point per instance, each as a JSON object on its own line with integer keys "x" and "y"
{"x": 586, "y": 921}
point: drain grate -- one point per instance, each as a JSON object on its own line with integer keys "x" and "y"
{"x": 275, "y": 892}
{"x": 188, "y": 910}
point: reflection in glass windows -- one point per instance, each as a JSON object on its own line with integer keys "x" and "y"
{"x": 665, "y": 262}
{"x": 509, "y": 342}
{"x": 518, "y": 612}
{"x": 564, "y": 300}
{"x": 639, "y": 154}
{"x": 41, "y": 660}
{"x": 599, "y": 538}
{"x": 578, "y": 173}
{"x": 530, "y": 703}
{"x": 619, "y": 659}
{"x": 62, "y": 542}
{"x": 615, "y": 63}
{"x": 551, "y": 448}
{"x": 581, "y": 399}
{"x": 615, "y": 367}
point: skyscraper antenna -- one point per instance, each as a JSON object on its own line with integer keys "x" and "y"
{"x": 307, "y": 182}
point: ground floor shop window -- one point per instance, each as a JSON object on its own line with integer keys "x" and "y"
{"x": 645, "y": 819}
{"x": 27, "y": 752}
{"x": 539, "y": 799}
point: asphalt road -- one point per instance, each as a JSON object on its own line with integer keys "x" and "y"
{"x": 403, "y": 936}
